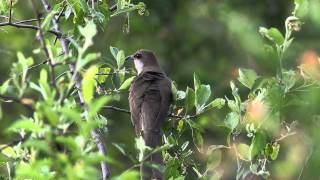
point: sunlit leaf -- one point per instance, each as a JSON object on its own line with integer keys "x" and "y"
{"x": 247, "y": 77}
{"x": 126, "y": 84}
{"x": 257, "y": 144}
{"x": 88, "y": 83}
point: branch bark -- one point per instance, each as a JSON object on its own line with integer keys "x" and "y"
{"x": 94, "y": 133}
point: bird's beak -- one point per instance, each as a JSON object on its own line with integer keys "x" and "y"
{"x": 129, "y": 58}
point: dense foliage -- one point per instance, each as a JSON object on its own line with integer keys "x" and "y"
{"x": 64, "y": 89}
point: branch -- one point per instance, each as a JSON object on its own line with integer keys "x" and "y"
{"x": 13, "y": 143}
{"x": 114, "y": 108}
{"x": 10, "y": 13}
{"x": 27, "y": 26}
{"x": 94, "y": 133}
{"x": 45, "y": 49}
{"x": 9, "y": 99}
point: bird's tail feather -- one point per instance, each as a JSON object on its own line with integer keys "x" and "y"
{"x": 152, "y": 139}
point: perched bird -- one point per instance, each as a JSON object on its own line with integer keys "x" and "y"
{"x": 149, "y": 99}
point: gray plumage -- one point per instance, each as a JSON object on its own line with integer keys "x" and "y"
{"x": 149, "y": 99}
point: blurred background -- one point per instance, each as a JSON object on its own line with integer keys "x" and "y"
{"x": 212, "y": 38}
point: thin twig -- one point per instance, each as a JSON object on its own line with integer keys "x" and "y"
{"x": 114, "y": 108}
{"x": 9, "y": 99}
{"x": 10, "y": 13}
{"x": 45, "y": 49}
{"x": 27, "y": 26}
{"x": 13, "y": 143}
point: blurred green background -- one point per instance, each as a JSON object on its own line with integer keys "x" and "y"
{"x": 212, "y": 38}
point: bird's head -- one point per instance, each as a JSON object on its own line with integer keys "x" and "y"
{"x": 143, "y": 59}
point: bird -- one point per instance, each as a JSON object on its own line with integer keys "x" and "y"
{"x": 150, "y": 97}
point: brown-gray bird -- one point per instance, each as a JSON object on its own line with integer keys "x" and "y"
{"x": 149, "y": 99}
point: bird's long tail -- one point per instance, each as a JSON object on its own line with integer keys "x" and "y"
{"x": 153, "y": 140}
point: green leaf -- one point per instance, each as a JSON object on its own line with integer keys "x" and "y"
{"x": 88, "y": 31}
{"x": 196, "y": 82}
{"x": 37, "y": 144}
{"x": 141, "y": 146}
{"x": 243, "y": 151}
{"x": 181, "y": 95}
{"x": 301, "y": 8}
{"x": 257, "y": 144}
{"x": 232, "y": 120}
{"x": 174, "y": 91}
{"x": 46, "y": 23}
{"x": 104, "y": 71}
{"x": 273, "y": 34}
{"x": 88, "y": 83}
{"x": 4, "y": 86}
{"x": 126, "y": 84}
{"x": 120, "y": 147}
{"x": 9, "y": 152}
{"x": 120, "y": 59}
{"x": 114, "y": 51}
{"x": 129, "y": 175}
{"x": 247, "y": 77}
{"x": 272, "y": 150}
{"x": 190, "y": 99}
{"x": 97, "y": 104}
{"x": 203, "y": 93}
{"x": 217, "y": 103}
{"x": 87, "y": 59}
{"x": 27, "y": 125}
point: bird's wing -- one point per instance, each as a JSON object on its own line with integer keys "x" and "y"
{"x": 145, "y": 99}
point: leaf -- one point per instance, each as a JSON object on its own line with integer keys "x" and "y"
{"x": 114, "y": 51}
{"x": 247, "y": 77}
{"x": 126, "y": 84}
{"x": 37, "y": 144}
{"x": 243, "y": 151}
{"x": 87, "y": 59}
{"x": 120, "y": 59}
{"x": 97, "y": 104}
{"x": 27, "y": 125}
{"x": 273, "y": 34}
{"x": 88, "y": 83}
{"x": 257, "y": 144}
{"x": 217, "y": 103}
{"x": 174, "y": 91}
{"x": 120, "y": 147}
{"x": 141, "y": 146}
{"x": 88, "y": 31}
{"x": 272, "y": 150}
{"x": 301, "y": 8}
{"x": 203, "y": 93}
{"x": 4, "y": 86}
{"x": 190, "y": 99}
{"x": 275, "y": 151}
{"x": 181, "y": 95}
{"x": 129, "y": 175}
{"x": 184, "y": 145}
{"x": 232, "y": 120}
{"x": 196, "y": 81}
{"x": 104, "y": 71}
{"x": 46, "y": 23}
{"x": 9, "y": 152}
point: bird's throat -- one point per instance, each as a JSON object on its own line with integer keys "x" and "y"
{"x": 139, "y": 66}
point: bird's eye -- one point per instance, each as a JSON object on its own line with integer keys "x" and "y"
{"x": 137, "y": 56}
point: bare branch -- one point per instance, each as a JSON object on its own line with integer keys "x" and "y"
{"x": 27, "y": 26}
{"x": 10, "y": 13}
{"x": 114, "y": 108}
{"x": 9, "y": 99}
{"x": 45, "y": 49}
